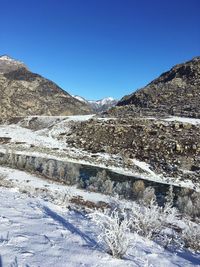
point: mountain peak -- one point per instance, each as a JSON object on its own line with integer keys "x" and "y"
{"x": 98, "y": 105}
{"x": 8, "y": 64}
{"x": 9, "y": 59}
{"x": 6, "y": 57}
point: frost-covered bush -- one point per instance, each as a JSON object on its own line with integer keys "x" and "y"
{"x": 148, "y": 196}
{"x": 146, "y": 219}
{"x": 29, "y": 166}
{"x": 191, "y": 236}
{"x": 138, "y": 189}
{"x": 52, "y": 167}
{"x": 114, "y": 231}
{"x": 21, "y": 162}
{"x": 123, "y": 190}
{"x": 169, "y": 217}
{"x": 62, "y": 199}
{"x": 170, "y": 214}
{"x": 49, "y": 168}
{"x": 11, "y": 159}
{"x": 100, "y": 183}
{"x": 189, "y": 202}
{"x": 150, "y": 220}
{"x": 170, "y": 238}
{"x": 72, "y": 173}
{"x": 61, "y": 170}
{"x": 170, "y": 196}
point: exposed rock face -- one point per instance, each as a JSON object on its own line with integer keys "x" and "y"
{"x": 25, "y": 93}
{"x": 176, "y": 92}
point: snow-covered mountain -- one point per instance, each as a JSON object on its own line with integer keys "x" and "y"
{"x": 99, "y": 105}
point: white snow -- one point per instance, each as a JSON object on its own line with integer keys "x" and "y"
{"x": 192, "y": 121}
{"x": 183, "y": 119}
{"x": 80, "y": 117}
{"x": 70, "y": 118}
{"x": 80, "y": 98}
{"x": 102, "y": 102}
{"x": 25, "y": 181}
{"x": 19, "y": 134}
{"x": 6, "y": 58}
{"x": 40, "y": 233}
{"x": 144, "y": 166}
{"x": 10, "y": 61}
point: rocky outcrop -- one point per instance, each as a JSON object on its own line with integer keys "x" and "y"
{"x": 176, "y": 92}
{"x": 25, "y": 93}
{"x": 170, "y": 148}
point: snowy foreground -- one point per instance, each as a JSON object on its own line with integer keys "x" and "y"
{"x": 35, "y": 231}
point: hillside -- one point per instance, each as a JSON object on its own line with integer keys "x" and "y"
{"x": 25, "y": 93}
{"x": 175, "y": 92}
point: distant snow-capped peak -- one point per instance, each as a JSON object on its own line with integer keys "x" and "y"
{"x": 98, "y": 105}
{"x": 103, "y": 101}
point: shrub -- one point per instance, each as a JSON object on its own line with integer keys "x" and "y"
{"x": 115, "y": 229}
{"x": 146, "y": 219}
{"x": 191, "y": 236}
{"x": 72, "y": 173}
{"x": 100, "y": 183}
{"x": 149, "y": 196}
{"x": 149, "y": 220}
{"x": 123, "y": 190}
{"x": 138, "y": 189}
{"x": 189, "y": 202}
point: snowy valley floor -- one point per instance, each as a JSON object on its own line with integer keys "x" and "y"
{"x": 37, "y": 232}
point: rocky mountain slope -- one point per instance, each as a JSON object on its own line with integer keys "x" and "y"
{"x": 175, "y": 92}
{"x": 171, "y": 148}
{"x": 25, "y": 93}
{"x": 99, "y": 105}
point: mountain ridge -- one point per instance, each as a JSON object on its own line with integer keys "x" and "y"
{"x": 100, "y": 105}
{"x": 23, "y": 93}
{"x": 174, "y": 92}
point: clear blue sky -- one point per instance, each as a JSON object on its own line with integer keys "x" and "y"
{"x": 99, "y": 48}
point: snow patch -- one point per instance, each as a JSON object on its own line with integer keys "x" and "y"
{"x": 183, "y": 119}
